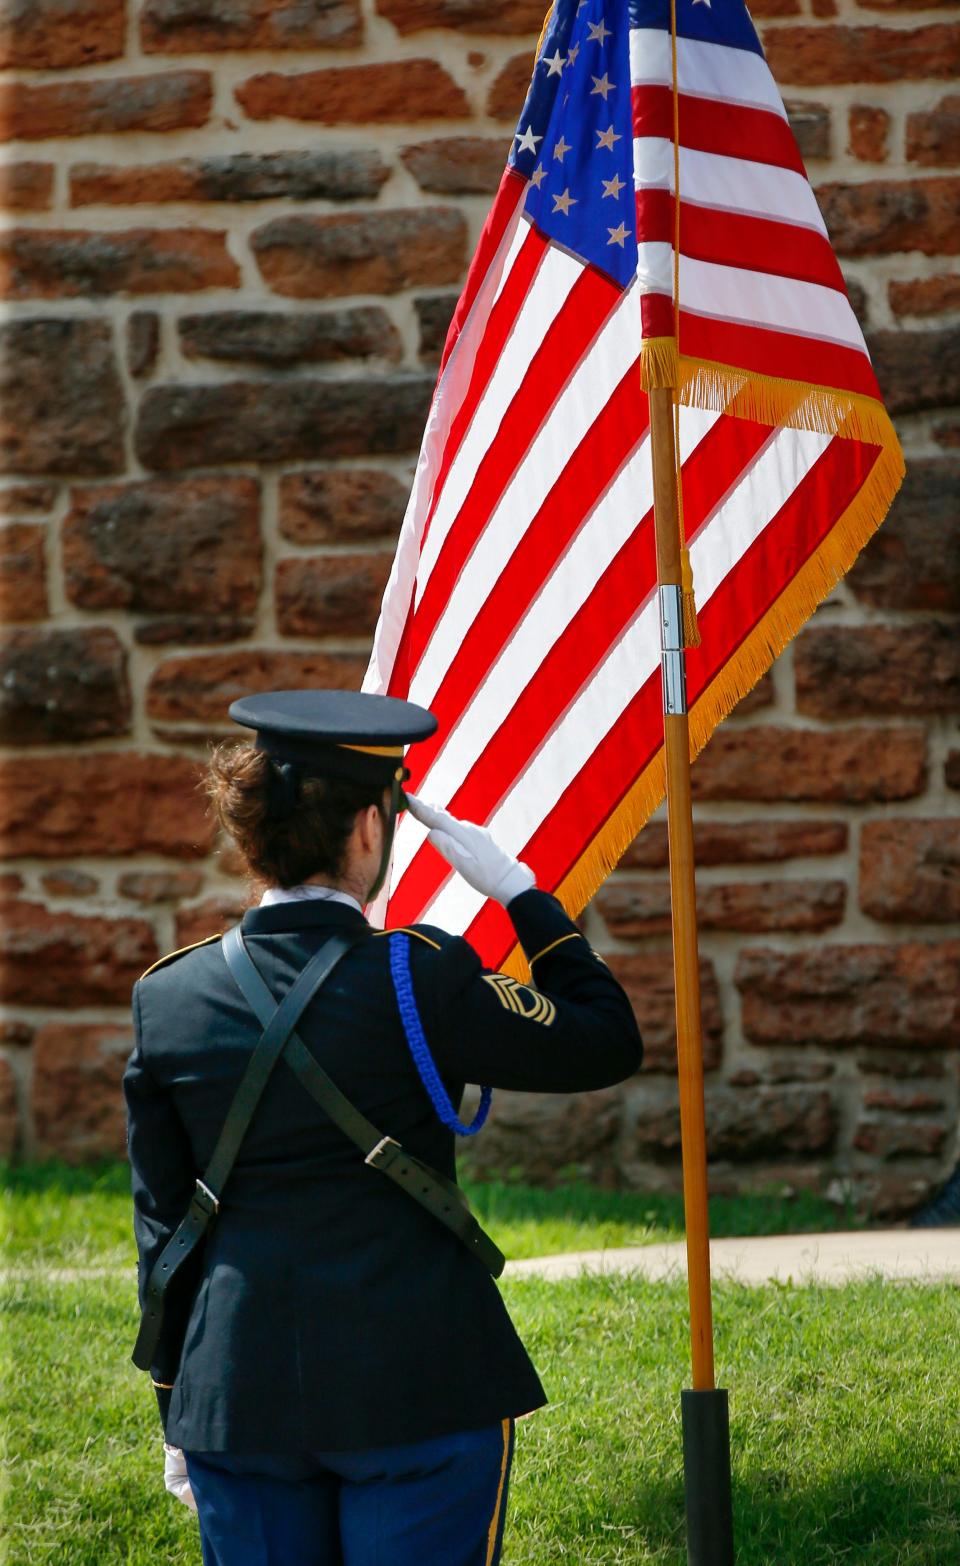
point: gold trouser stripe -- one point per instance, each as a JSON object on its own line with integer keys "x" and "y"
{"x": 495, "y": 1520}
{"x": 574, "y": 936}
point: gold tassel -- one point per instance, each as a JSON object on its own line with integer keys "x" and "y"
{"x": 691, "y": 630}
{"x": 658, "y": 363}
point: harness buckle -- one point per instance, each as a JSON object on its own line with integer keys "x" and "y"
{"x": 374, "y": 1157}
{"x": 205, "y": 1199}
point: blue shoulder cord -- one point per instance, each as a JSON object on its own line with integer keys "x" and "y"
{"x": 420, "y": 1049}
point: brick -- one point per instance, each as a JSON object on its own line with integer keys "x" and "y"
{"x": 550, "y": 1137}
{"x": 112, "y": 803}
{"x": 211, "y": 917}
{"x": 62, "y": 685}
{"x": 796, "y": 1068}
{"x": 61, "y": 401}
{"x": 869, "y": 128}
{"x": 900, "y": 1064}
{"x": 906, "y": 5}
{"x": 857, "y": 295}
{"x": 457, "y": 165}
{"x": 27, "y": 499}
{"x": 209, "y": 25}
{"x": 9, "y": 1118}
{"x": 917, "y": 370}
{"x": 643, "y": 908}
{"x": 280, "y": 421}
{"x": 401, "y": 92}
{"x": 341, "y": 506}
{"x": 933, "y": 135}
{"x": 334, "y": 595}
{"x": 647, "y": 978}
{"x": 200, "y": 689}
{"x": 810, "y": 123}
{"x": 172, "y": 100}
{"x": 51, "y": 34}
{"x": 73, "y": 263}
{"x": 159, "y": 886}
{"x": 77, "y": 1098}
{"x": 26, "y": 187}
{"x": 947, "y": 434}
{"x": 248, "y": 176}
{"x": 903, "y": 1103}
{"x": 741, "y": 1125}
{"x": 434, "y": 314}
{"x": 282, "y": 340}
{"x": 841, "y": 996}
{"x": 951, "y": 769}
{"x": 361, "y": 253}
{"x": 193, "y": 630}
{"x": 925, "y": 295}
{"x": 65, "y": 882}
{"x": 910, "y": 871}
{"x": 65, "y": 960}
{"x": 844, "y": 671}
{"x": 900, "y": 1138}
{"x": 466, "y": 16}
{"x": 143, "y": 342}
{"x": 824, "y": 7}
{"x": 881, "y": 217}
{"x": 23, "y": 584}
{"x": 813, "y": 56}
{"x": 913, "y": 562}
{"x": 767, "y": 8}
{"x": 10, "y": 883}
{"x": 740, "y": 842}
{"x": 508, "y": 90}
{"x": 189, "y": 545}
{"x": 852, "y": 766}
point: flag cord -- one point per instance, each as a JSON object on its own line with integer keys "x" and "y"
{"x": 691, "y": 631}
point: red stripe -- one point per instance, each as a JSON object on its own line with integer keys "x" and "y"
{"x": 757, "y": 580}
{"x": 572, "y": 331}
{"x": 656, "y": 315}
{"x": 729, "y": 239}
{"x": 784, "y": 355}
{"x": 512, "y": 190}
{"x": 729, "y": 129}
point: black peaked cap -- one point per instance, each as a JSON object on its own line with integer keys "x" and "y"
{"x": 342, "y": 734}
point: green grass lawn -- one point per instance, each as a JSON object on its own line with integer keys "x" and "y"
{"x": 844, "y": 1425}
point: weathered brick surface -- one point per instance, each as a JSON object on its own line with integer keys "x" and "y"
{"x": 338, "y": 595}
{"x": 951, "y": 769}
{"x": 51, "y": 34}
{"x": 340, "y": 505}
{"x": 900, "y": 1064}
{"x": 62, "y": 960}
{"x": 644, "y": 908}
{"x": 249, "y": 421}
{"x": 466, "y": 16}
{"x": 434, "y": 314}
{"x": 842, "y": 672}
{"x": 268, "y": 337}
{"x": 879, "y": 217}
{"x": 457, "y": 165}
{"x": 26, "y": 186}
{"x": 917, "y": 370}
{"x": 165, "y": 545}
{"x": 910, "y": 870}
{"x": 402, "y": 93}
{"x": 905, "y": 1103}
{"x": 167, "y": 101}
{"x": 361, "y": 253}
{"x": 647, "y": 978}
{"x": 740, "y": 842}
{"x": 509, "y": 88}
{"x": 914, "y": 561}
{"x": 201, "y": 688}
{"x": 811, "y": 125}
{"x": 209, "y": 25}
{"x": 61, "y": 402}
{"x": 159, "y": 886}
{"x": 64, "y": 882}
{"x": 77, "y": 1099}
{"x": 26, "y": 500}
{"x": 9, "y": 1118}
{"x": 110, "y": 803}
{"x": 197, "y": 921}
{"x": 62, "y": 685}
{"x": 899, "y": 1138}
{"x": 898, "y": 995}
{"x": 758, "y": 1123}
{"x": 245, "y": 176}
{"x": 546, "y": 1138}
{"x": 143, "y": 342}
{"x": 925, "y": 295}
{"x": 869, "y": 129}
{"x": 23, "y": 578}
{"x": 813, "y": 56}
{"x": 933, "y": 135}
{"x": 192, "y": 630}
{"x": 852, "y": 766}
{"x": 71, "y": 263}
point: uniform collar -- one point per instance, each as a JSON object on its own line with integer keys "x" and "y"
{"x": 314, "y": 914}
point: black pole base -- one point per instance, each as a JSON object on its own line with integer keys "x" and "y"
{"x": 706, "y": 1473}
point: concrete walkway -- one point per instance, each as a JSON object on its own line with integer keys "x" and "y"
{"x": 924, "y": 1255}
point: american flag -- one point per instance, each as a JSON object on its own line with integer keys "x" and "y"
{"x": 522, "y": 604}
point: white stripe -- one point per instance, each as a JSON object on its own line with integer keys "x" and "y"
{"x": 731, "y": 293}
{"x": 546, "y": 297}
{"x": 736, "y": 524}
{"x": 705, "y": 70}
{"x": 729, "y": 184}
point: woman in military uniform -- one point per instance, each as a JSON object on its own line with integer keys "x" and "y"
{"x": 335, "y": 1365}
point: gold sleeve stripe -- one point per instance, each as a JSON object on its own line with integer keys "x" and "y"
{"x": 405, "y": 930}
{"x": 573, "y": 936}
{"x": 179, "y": 953}
{"x": 522, "y": 999}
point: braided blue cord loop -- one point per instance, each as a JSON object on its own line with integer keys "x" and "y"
{"x": 419, "y": 1048}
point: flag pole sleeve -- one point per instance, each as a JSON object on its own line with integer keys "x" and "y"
{"x": 682, "y": 887}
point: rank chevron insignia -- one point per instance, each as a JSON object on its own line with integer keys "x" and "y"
{"x": 526, "y": 1002}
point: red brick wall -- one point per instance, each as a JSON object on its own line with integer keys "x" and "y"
{"x": 232, "y": 238}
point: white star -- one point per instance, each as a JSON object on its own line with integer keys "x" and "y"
{"x": 607, "y": 138}
{"x": 598, "y": 31}
{"x": 618, "y": 235}
{"x": 538, "y": 176}
{"x": 612, "y": 187}
{"x": 564, "y": 203}
{"x": 556, "y": 64}
{"x": 572, "y": 54}
{"x": 702, "y": 2}
{"x": 602, "y": 86}
{"x": 561, "y": 149}
{"x": 528, "y": 141}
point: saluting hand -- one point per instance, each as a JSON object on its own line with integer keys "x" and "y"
{"x": 175, "y": 1477}
{"x": 472, "y": 852}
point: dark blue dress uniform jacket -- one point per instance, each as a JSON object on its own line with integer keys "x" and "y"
{"x": 329, "y": 1311}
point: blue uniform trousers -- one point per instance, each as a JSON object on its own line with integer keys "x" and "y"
{"x": 424, "y": 1503}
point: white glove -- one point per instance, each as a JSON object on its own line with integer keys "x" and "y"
{"x": 175, "y": 1477}
{"x": 472, "y": 851}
